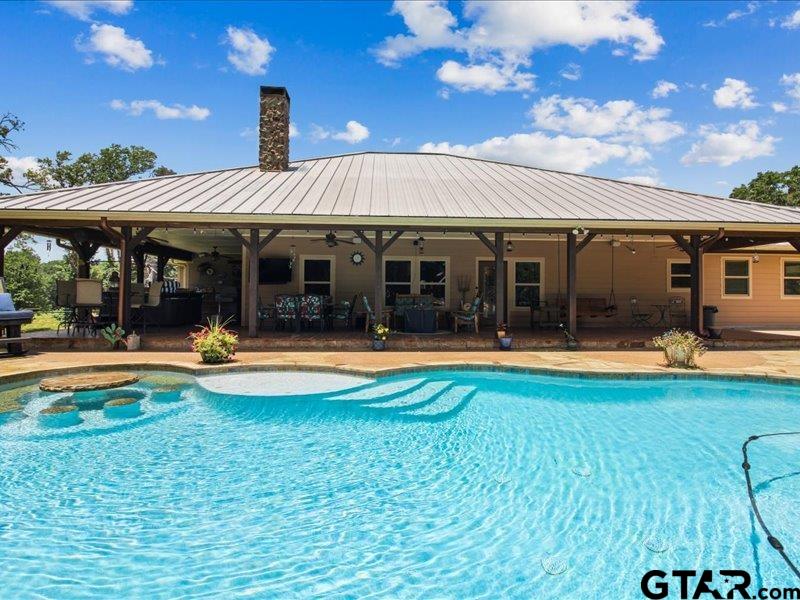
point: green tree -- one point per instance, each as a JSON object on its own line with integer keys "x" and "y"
{"x": 772, "y": 187}
{"x": 26, "y": 280}
{"x": 9, "y": 124}
{"x": 113, "y": 163}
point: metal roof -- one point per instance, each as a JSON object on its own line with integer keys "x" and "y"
{"x": 399, "y": 186}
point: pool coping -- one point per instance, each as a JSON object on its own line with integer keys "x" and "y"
{"x": 200, "y": 369}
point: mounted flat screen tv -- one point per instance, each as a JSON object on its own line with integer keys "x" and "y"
{"x": 274, "y": 271}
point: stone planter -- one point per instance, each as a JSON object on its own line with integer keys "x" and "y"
{"x": 65, "y": 415}
{"x": 122, "y": 408}
{"x": 378, "y": 345}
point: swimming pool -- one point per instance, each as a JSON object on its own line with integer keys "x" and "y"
{"x": 446, "y": 484}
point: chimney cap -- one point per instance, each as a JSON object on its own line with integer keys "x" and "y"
{"x": 272, "y": 90}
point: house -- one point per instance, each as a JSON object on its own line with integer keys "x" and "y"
{"x": 383, "y": 223}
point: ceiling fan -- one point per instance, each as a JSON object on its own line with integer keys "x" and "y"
{"x": 331, "y": 240}
{"x": 214, "y": 255}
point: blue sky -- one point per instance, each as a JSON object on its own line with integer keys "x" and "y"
{"x": 557, "y": 85}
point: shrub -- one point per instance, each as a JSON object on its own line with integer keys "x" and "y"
{"x": 214, "y": 343}
{"x": 681, "y": 348}
{"x": 380, "y": 332}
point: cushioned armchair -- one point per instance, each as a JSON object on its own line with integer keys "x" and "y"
{"x": 11, "y": 321}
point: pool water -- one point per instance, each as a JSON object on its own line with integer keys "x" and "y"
{"x": 446, "y": 484}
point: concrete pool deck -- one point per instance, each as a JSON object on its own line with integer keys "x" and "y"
{"x": 780, "y": 364}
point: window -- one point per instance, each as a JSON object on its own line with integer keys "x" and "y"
{"x": 416, "y": 275}
{"x": 397, "y": 278}
{"x": 791, "y": 278}
{"x": 527, "y": 283}
{"x": 317, "y": 275}
{"x": 679, "y": 275}
{"x": 433, "y": 279}
{"x": 736, "y": 277}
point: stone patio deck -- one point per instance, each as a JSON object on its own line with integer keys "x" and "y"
{"x": 781, "y": 364}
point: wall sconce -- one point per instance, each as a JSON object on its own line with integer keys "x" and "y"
{"x": 419, "y": 244}
{"x": 509, "y": 246}
{"x": 756, "y": 257}
{"x": 580, "y": 230}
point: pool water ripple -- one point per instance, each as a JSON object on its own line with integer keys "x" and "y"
{"x": 445, "y": 484}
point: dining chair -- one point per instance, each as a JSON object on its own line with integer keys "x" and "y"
{"x": 676, "y": 313}
{"x": 286, "y": 310}
{"x": 469, "y": 317}
{"x": 312, "y": 310}
{"x": 639, "y": 318}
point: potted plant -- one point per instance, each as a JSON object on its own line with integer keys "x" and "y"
{"x": 380, "y": 333}
{"x": 681, "y": 348}
{"x": 115, "y": 336}
{"x": 504, "y": 336}
{"x": 214, "y": 342}
{"x": 571, "y": 340}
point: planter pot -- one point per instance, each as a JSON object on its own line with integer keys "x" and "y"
{"x": 505, "y": 342}
{"x": 134, "y": 341}
{"x": 379, "y": 345}
{"x": 501, "y": 333}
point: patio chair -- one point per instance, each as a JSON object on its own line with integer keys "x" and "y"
{"x": 287, "y": 310}
{"x": 370, "y": 319}
{"x": 639, "y": 318}
{"x": 312, "y": 309}
{"x": 677, "y": 311}
{"x": 151, "y": 301}
{"x": 343, "y": 311}
{"x": 469, "y": 317}
{"x": 88, "y": 297}
{"x": 264, "y": 312}
{"x": 11, "y": 321}
{"x": 65, "y": 299}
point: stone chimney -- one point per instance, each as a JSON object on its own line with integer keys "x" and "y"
{"x": 273, "y": 129}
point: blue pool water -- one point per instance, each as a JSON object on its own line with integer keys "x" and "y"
{"x": 428, "y": 485}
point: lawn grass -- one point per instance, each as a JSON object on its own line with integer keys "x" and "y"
{"x": 42, "y": 322}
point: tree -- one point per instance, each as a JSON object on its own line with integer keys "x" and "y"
{"x": 113, "y": 163}
{"x": 26, "y": 280}
{"x": 162, "y": 171}
{"x": 9, "y": 124}
{"x": 772, "y": 187}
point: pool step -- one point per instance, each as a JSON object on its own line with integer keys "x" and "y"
{"x": 450, "y": 400}
{"x": 382, "y": 392}
{"x": 423, "y": 395}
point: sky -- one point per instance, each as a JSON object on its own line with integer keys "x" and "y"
{"x": 695, "y": 96}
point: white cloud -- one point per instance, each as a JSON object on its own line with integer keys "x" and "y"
{"x": 735, "y": 15}
{"x": 293, "y": 130}
{"x": 488, "y": 78}
{"x": 618, "y": 120}
{"x": 739, "y": 141}
{"x": 540, "y": 150}
{"x": 115, "y": 48}
{"x": 136, "y": 108}
{"x": 779, "y": 107}
{"x": 393, "y": 142}
{"x": 19, "y": 166}
{"x": 663, "y": 89}
{"x": 249, "y": 53}
{"x": 642, "y": 179}
{"x": 572, "y": 72}
{"x": 792, "y": 21}
{"x": 83, "y": 9}
{"x": 503, "y": 35}
{"x": 353, "y": 133}
{"x": 252, "y": 132}
{"x": 792, "y": 84}
{"x": 734, "y": 93}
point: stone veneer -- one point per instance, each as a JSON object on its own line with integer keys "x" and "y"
{"x": 273, "y": 129}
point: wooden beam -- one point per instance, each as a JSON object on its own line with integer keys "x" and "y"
{"x": 499, "y": 280}
{"x": 712, "y": 239}
{"x": 252, "y": 284}
{"x": 158, "y": 250}
{"x": 795, "y": 244}
{"x": 139, "y": 261}
{"x": 572, "y": 280}
{"x": 367, "y": 242}
{"x": 124, "y": 300}
{"x": 9, "y": 235}
{"x": 267, "y": 239}
{"x": 240, "y": 237}
{"x": 683, "y": 244}
{"x": 379, "y": 276}
{"x": 392, "y": 240}
{"x": 585, "y": 242}
{"x": 141, "y": 236}
{"x": 161, "y": 265}
{"x": 112, "y": 233}
{"x": 492, "y": 248}
{"x": 696, "y": 285}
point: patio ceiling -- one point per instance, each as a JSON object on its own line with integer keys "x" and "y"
{"x": 397, "y": 190}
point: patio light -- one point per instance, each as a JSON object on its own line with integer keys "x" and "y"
{"x": 509, "y": 246}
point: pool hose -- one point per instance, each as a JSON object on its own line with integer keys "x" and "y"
{"x": 773, "y": 541}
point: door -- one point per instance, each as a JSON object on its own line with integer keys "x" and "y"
{"x": 487, "y": 290}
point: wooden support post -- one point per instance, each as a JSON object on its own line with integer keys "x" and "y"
{"x": 161, "y": 265}
{"x": 6, "y": 237}
{"x": 378, "y": 276}
{"x": 572, "y": 294}
{"x": 138, "y": 259}
{"x": 252, "y": 284}
{"x": 124, "y": 301}
{"x": 696, "y": 285}
{"x": 499, "y": 279}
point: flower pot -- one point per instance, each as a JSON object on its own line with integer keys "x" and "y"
{"x": 379, "y": 344}
{"x": 505, "y": 342}
{"x": 681, "y": 357}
